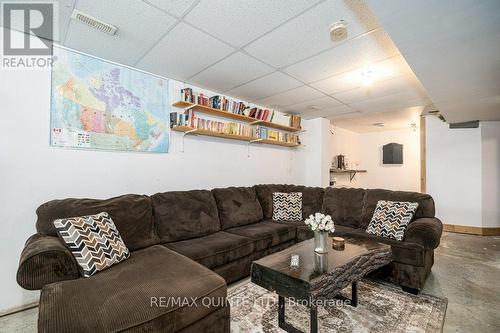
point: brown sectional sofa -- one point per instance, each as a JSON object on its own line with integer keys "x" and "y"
{"x": 191, "y": 244}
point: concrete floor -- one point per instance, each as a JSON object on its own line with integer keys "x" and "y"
{"x": 466, "y": 271}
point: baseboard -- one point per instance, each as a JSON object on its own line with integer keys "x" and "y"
{"x": 18, "y": 309}
{"x": 463, "y": 229}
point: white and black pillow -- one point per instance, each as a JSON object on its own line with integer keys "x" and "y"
{"x": 93, "y": 240}
{"x": 391, "y": 218}
{"x": 287, "y": 206}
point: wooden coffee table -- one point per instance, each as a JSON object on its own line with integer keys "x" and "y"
{"x": 319, "y": 277}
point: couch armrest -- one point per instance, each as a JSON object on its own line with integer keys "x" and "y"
{"x": 44, "y": 260}
{"x": 425, "y": 231}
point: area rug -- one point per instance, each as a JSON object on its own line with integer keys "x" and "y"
{"x": 382, "y": 307}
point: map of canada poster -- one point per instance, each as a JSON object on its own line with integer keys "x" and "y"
{"x": 104, "y": 106}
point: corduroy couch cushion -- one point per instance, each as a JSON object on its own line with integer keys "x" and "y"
{"x": 237, "y": 206}
{"x": 312, "y": 198}
{"x": 183, "y": 215}
{"x": 266, "y": 234}
{"x": 131, "y": 213}
{"x": 344, "y": 205}
{"x": 120, "y": 297}
{"x": 215, "y": 249}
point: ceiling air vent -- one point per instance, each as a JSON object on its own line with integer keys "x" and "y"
{"x": 93, "y": 22}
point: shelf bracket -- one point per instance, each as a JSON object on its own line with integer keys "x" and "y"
{"x": 183, "y": 135}
{"x": 187, "y": 108}
{"x": 351, "y": 176}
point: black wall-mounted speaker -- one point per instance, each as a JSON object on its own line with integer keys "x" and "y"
{"x": 393, "y": 153}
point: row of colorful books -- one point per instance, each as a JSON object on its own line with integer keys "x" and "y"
{"x": 191, "y": 120}
{"x": 271, "y": 134}
{"x": 226, "y": 104}
{"x": 223, "y": 127}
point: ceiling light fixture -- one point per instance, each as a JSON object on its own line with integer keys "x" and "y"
{"x": 367, "y": 75}
{"x": 378, "y": 124}
{"x": 338, "y": 31}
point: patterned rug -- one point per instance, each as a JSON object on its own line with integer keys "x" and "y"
{"x": 382, "y": 307}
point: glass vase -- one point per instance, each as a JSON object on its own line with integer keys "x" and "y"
{"x": 320, "y": 242}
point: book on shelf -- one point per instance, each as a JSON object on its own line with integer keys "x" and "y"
{"x": 178, "y": 119}
{"x": 295, "y": 121}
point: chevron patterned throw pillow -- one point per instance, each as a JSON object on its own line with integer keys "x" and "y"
{"x": 287, "y": 206}
{"x": 391, "y": 218}
{"x": 94, "y": 241}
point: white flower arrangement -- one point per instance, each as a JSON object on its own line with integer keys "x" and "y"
{"x": 320, "y": 223}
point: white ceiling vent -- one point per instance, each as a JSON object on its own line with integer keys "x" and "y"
{"x": 93, "y": 22}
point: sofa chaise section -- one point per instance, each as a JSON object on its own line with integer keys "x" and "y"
{"x": 150, "y": 291}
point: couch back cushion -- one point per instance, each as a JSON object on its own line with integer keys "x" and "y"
{"x": 344, "y": 205}
{"x": 237, "y": 206}
{"x": 425, "y": 203}
{"x": 132, "y": 214}
{"x": 312, "y": 198}
{"x": 185, "y": 214}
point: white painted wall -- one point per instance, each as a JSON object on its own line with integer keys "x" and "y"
{"x": 397, "y": 177}
{"x": 318, "y": 146}
{"x": 490, "y": 145}
{"x": 32, "y": 173}
{"x": 364, "y": 151}
{"x": 454, "y": 172}
{"x": 347, "y": 143}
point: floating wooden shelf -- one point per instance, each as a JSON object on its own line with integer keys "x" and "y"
{"x": 196, "y": 131}
{"x": 279, "y": 143}
{"x": 351, "y": 173}
{"x": 236, "y": 116}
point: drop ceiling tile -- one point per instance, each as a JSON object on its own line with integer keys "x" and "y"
{"x": 329, "y": 112}
{"x": 317, "y": 104}
{"x": 334, "y": 61}
{"x": 400, "y": 84}
{"x": 308, "y": 33}
{"x": 65, "y": 8}
{"x": 136, "y": 33}
{"x": 388, "y": 103}
{"x": 289, "y": 97}
{"x": 373, "y": 47}
{"x": 382, "y": 70}
{"x": 176, "y": 58}
{"x": 233, "y": 71}
{"x": 239, "y": 22}
{"x": 355, "y": 53}
{"x": 363, "y": 123}
{"x": 174, "y": 7}
{"x": 340, "y": 82}
{"x": 265, "y": 86}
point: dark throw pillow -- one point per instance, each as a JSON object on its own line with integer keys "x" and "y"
{"x": 93, "y": 240}
{"x": 287, "y": 206}
{"x": 391, "y": 218}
